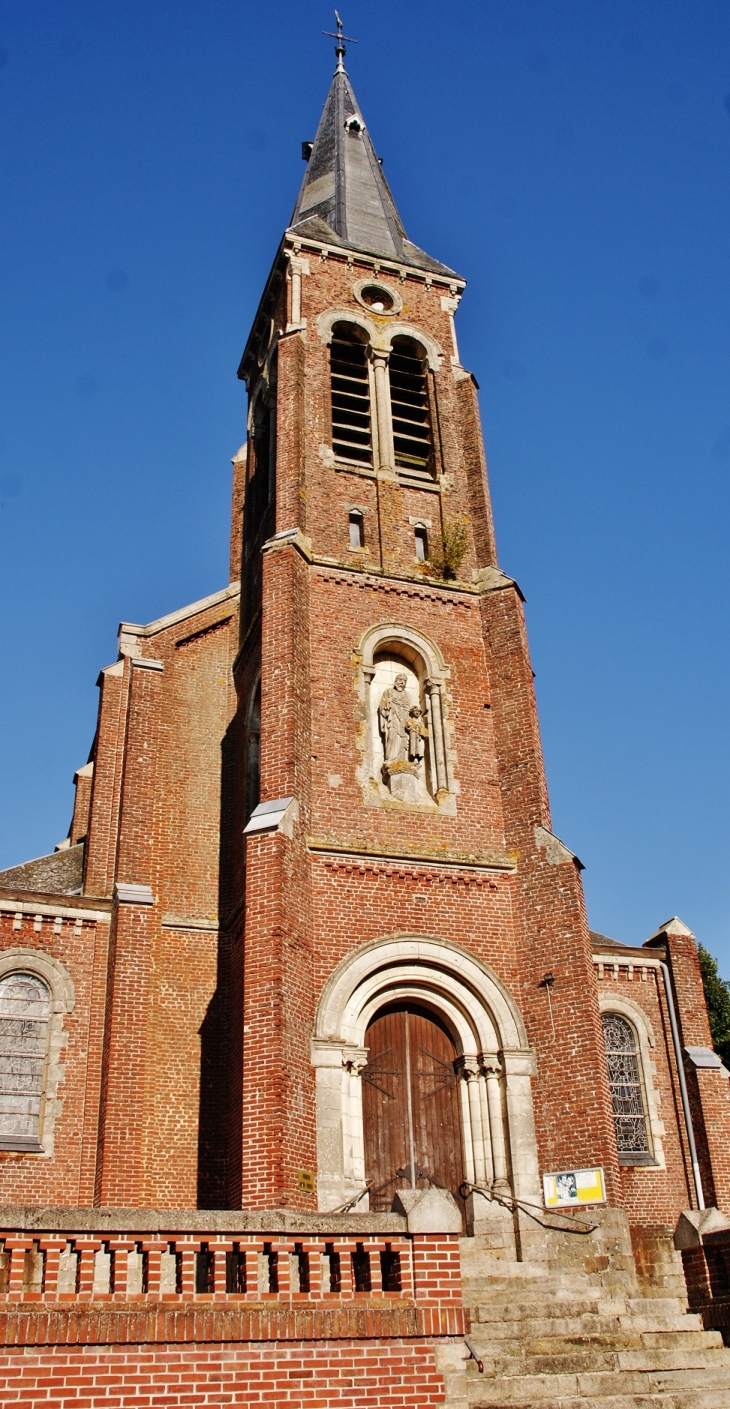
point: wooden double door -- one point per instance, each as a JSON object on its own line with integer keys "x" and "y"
{"x": 411, "y": 1114}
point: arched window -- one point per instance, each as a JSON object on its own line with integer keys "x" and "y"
{"x": 25, "y": 1011}
{"x": 412, "y": 439}
{"x": 627, "y": 1087}
{"x": 350, "y": 377}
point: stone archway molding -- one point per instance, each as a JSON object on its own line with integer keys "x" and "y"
{"x": 495, "y": 1061}
{"x": 63, "y": 1000}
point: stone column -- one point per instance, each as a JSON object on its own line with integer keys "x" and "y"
{"x": 469, "y": 1169}
{"x": 484, "y": 1107}
{"x": 368, "y": 672}
{"x": 297, "y": 267}
{"x": 434, "y": 691}
{"x": 492, "y": 1071}
{"x": 470, "y": 1069}
{"x": 382, "y": 409}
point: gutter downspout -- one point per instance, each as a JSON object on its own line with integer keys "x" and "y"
{"x": 682, "y": 1085}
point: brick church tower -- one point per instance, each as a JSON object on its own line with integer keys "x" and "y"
{"x": 306, "y": 1048}
{"x": 401, "y": 853}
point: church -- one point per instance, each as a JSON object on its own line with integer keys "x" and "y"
{"x": 316, "y": 1088}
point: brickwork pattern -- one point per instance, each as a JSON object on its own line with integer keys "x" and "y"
{"x": 369, "y": 1375}
{"x": 81, "y": 945}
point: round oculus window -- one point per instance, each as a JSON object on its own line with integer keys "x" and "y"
{"x": 377, "y": 297}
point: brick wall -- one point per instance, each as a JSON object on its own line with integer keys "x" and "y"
{"x": 82, "y": 1318}
{"x": 79, "y": 941}
{"x": 365, "y": 1375}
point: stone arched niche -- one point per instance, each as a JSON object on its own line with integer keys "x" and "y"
{"x": 408, "y": 757}
{"x": 493, "y": 1064}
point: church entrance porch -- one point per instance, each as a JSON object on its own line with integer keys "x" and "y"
{"x": 411, "y": 1119}
{"x": 423, "y": 1077}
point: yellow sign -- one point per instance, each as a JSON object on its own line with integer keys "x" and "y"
{"x": 574, "y": 1187}
{"x": 305, "y": 1181}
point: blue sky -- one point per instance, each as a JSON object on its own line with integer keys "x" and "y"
{"x": 572, "y": 160}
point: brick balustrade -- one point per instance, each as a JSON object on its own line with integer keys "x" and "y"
{"x": 119, "y": 1286}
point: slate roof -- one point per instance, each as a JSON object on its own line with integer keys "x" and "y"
{"x": 344, "y": 198}
{"x": 60, "y": 873}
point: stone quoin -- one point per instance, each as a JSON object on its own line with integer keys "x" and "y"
{"x": 315, "y": 1086}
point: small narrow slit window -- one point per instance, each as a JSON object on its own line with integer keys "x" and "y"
{"x": 421, "y": 543}
{"x": 412, "y": 440}
{"x": 350, "y": 377}
{"x": 357, "y": 537}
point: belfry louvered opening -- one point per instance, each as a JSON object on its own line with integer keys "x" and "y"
{"x": 351, "y": 423}
{"x": 412, "y": 439}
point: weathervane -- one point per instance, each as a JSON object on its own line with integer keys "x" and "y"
{"x": 342, "y": 40}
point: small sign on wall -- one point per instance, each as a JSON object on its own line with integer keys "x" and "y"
{"x": 574, "y": 1187}
{"x": 306, "y": 1181}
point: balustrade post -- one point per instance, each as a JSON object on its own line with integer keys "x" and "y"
{"x": 314, "y": 1252}
{"x": 87, "y": 1248}
{"x": 251, "y": 1251}
{"x": 119, "y": 1249}
{"x": 284, "y": 1251}
{"x": 404, "y": 1246}
{"x": 153, "y": 1249}
{"x": 188, "y": 1252}
{"x": 52, "y": 1249}
{"x": 17, "y": 1247}
{"x": 347, "y": 1281}
{"x": 374, "y": 1249}
{"x": 219, "y": 1251}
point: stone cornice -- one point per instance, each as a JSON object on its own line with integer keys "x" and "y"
{"x": 77, "y": 907}
{"x": 487, "y": 579}
{"x": 454, "y": 861}
{"x": 381, "y": 264}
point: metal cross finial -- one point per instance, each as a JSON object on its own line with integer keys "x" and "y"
{"x": 342, "y": 40}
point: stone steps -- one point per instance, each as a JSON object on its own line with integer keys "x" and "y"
{"x": 550, "y": 1339}
{"x": 634, "y": 1328}
{"x": 608, "y": 1386}
{"x": 501, "y": 1351}
{"x": 692, "y": 1399}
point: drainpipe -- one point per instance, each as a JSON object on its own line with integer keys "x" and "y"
{"x": 683, "y": 1086}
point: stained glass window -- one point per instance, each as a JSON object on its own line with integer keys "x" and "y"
{"x": 624, "y": 1077}
{"x": 25, "y": 1010}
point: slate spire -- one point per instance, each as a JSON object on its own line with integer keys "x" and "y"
{"x": 344, "y": 197}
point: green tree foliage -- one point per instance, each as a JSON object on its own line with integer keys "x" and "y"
{"x": 717, "y": 997}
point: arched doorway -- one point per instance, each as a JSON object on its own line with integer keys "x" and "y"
{"x": 411, "y": 1110}
{"x": 475, "y": 1017}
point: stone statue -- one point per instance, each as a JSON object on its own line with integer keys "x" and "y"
{"x": 417, "y": 734}
{"x": 393, "y": 715}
